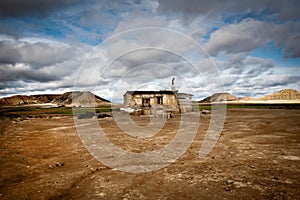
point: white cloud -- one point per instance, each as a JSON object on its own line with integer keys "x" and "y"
{"x": 27, "y": 62}
{"x": 251, "y": 34}
{"x": 148, "y": 58}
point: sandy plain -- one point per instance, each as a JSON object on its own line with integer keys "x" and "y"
{"x": 256, "y": 157}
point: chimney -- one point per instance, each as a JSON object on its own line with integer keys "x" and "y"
{"x": 173, "y": 88}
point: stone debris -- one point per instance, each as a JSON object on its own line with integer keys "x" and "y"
{"x": 229, "y": 181}
{"x": 57, "y": 164}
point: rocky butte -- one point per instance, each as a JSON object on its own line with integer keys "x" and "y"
{"x": 66, "y": 99}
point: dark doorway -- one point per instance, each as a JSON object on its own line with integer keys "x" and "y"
{"x": 159, "y": 100}
{"x": 146, "y": 102}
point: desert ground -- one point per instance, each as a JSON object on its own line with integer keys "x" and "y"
{"x": 256, "y": 157}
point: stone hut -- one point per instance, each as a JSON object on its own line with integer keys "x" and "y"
{"x": 152, "y": 102}
{"x": 164, "y": 102}
{"x": 148, "y": 100}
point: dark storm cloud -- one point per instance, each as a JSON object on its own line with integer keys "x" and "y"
{"x": 36, "y": 54}
{"x": 17, "y": 8}
{"x": 250, "y": 34}
{"x": 10, "y": 30}
{"x": 8, "y": 53}
{"x": 282, "y": 81}
{"x": 37, "y": 61}
{"x": 25, "y": 73}
{"x": 243, "y": 26}
{"x": 292, "y": 49}
{"x": 188, "y": 9}
{"x": 55, "y": 37}
{"x": 249, "y": 66}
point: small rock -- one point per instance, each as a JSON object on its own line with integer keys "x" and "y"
{"x": 94, "y": 169}
{"x": 102, "y": 194}
{"x": 205, "y": 111}
{"x": 229, "y": 182}
{"x": 227, "y": 189}
{"x": 126, "y": 196}
{"x": 58, "y": 164}
{"x": 288, "y": 181}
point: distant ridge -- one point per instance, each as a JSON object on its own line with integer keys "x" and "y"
{"x": 66, "y": 99}
{"x": 78, "y": 98}
{"x": 219, "y": 97}
{"x": 286, "y": 95}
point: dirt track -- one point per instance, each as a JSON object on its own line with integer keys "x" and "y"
{"x": 256, "y": 157}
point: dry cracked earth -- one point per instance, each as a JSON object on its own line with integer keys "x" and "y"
{"x": 256, "y": 157}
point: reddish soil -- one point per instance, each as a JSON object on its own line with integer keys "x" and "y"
{"x": 256, "y": 157}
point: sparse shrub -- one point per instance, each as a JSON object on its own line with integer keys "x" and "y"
{"x": 86, "y": 115}
{"x": 12, "y": 116}
{"x": 103, "y": 115}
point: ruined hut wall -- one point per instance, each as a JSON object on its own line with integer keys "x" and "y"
{"x": 168, "y": 99}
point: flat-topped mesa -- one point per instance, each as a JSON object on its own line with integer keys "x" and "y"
{"x": 287, "y": 94}
{"x": 85, "y": 99}
{"x": 24, "y": 99}
{"x": 219, "y": 97}
{"x": 68, "y": 99}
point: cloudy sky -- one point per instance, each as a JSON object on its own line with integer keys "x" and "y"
{"x": 247, "y": 48}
